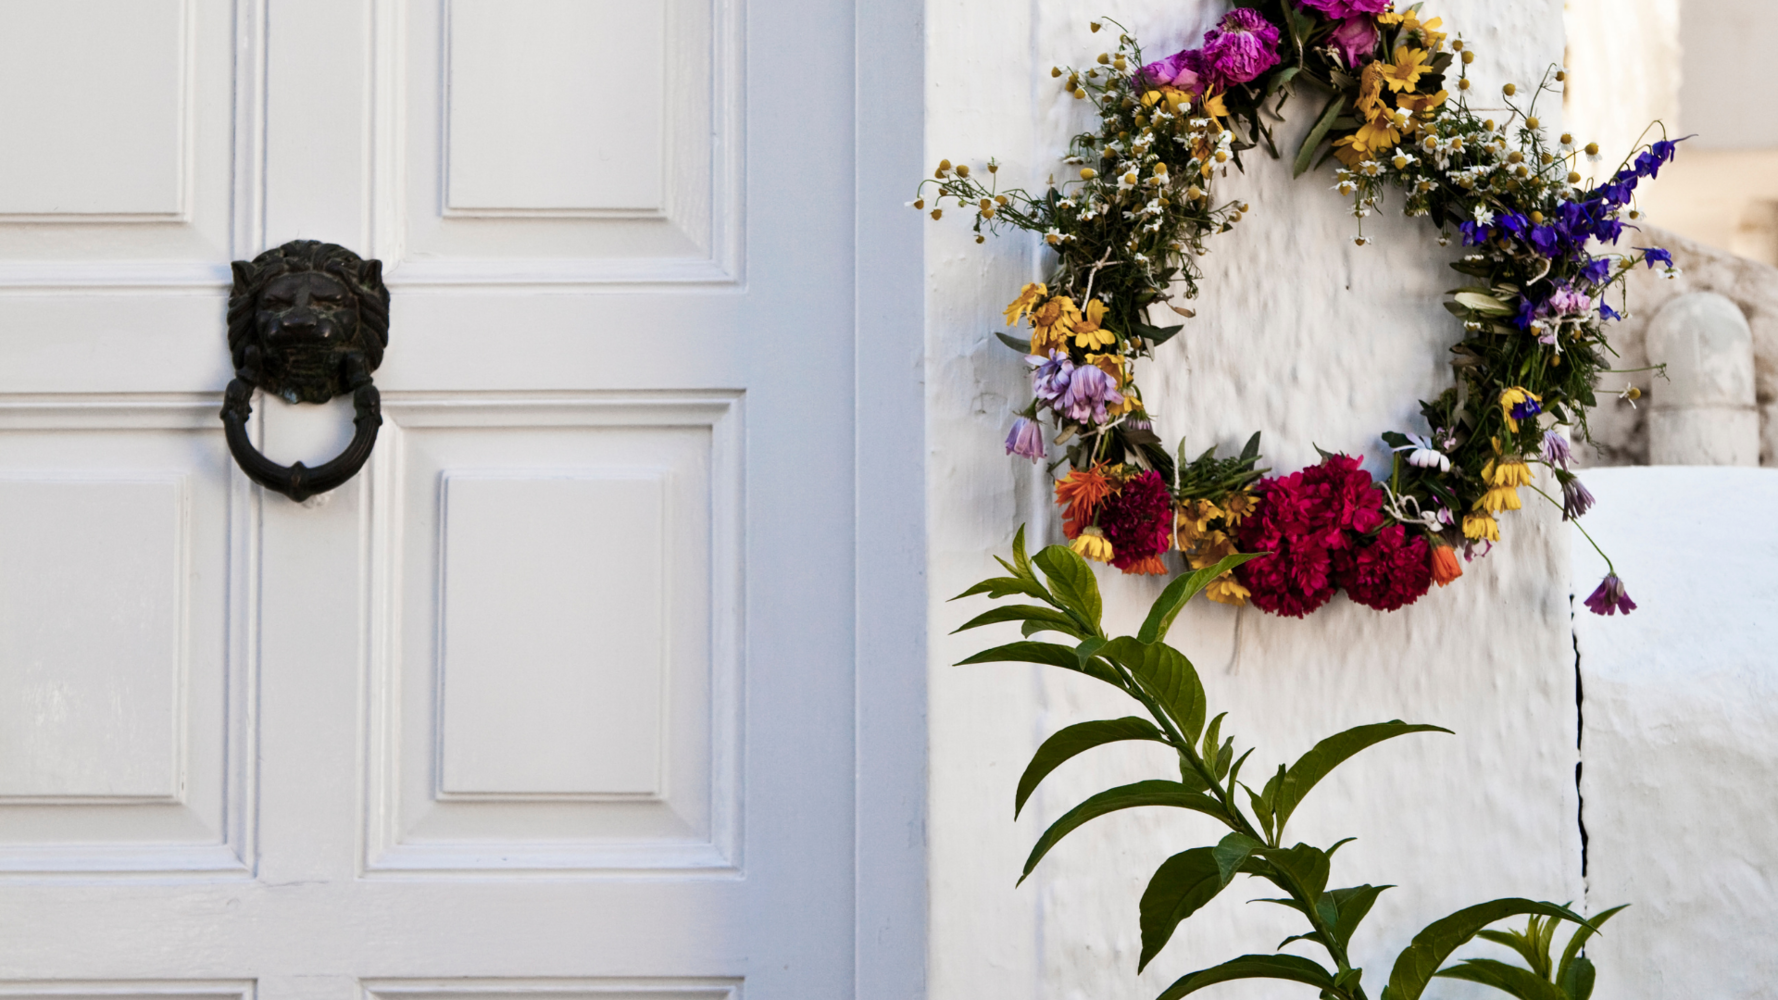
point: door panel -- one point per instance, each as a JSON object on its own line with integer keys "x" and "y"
{"x": 556, "y": 697}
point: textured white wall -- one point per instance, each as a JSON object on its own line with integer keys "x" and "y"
{"x": 1681, "y": 733}
{"x": 1314, "y": 342}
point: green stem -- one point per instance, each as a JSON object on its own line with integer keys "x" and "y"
{"x": 1609, "y": 568}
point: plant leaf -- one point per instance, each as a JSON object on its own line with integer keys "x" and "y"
{"x": 1287, "y": 967}
{"x": 1510, "y": 979}
{"x": 1179, "y": 888}
{"x": 1579, "y": 940}
{"x": 1020, "y": 344}
{"x": 1353, "y": 905}
{"x": 1577, "y": 980}
{"x": 1006, "y": 586}
{"x": 1019, "y": 558}
{"x": 1330, "y": 753}
{"x": 1047, "y": 653}
{"x": 1419, "y": 962}
{"x": 1072, "y": 580}
{"x": 1168, "y": 677}
{"x": 1180, "y": 592}
{"x": 1141, "y": 793}
{"x": 1484, "y": 304}
{"x": 1060, "y": 621}
{"x": 1077, "y": 739}
{"x": 1306, "y": 152}
{"x": 1306, "y": 866}
{"x": 1232, "y": 854}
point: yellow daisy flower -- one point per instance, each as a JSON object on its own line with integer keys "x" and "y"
{"x": 1522, "y": 399}
{"x": 1089, "y": 334}
{"x": 1053, "y": 323}
{"x": 1507, "y": 472}
{"x": 1498, "y": 499}
{"x": 1408, "y": 68}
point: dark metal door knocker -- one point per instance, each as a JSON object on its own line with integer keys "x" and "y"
{"x": 308, "y": 322}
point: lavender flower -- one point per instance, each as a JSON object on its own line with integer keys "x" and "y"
{"x": 1090, "y": 390}
{"x": 1052, "y": 375}
{"x": 1610, "y": 598}
{"x": 1576, "y": 499}
{"x": 1026, "y": 439}
{"x": 1568, "y": 301}
{"x": 1555, "y": 449}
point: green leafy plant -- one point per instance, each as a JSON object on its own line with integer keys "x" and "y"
{"x": 1166, "y": 684}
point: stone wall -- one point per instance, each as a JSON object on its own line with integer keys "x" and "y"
{"x": 1314, "y": 342}
{"x": 1620, "y": 429}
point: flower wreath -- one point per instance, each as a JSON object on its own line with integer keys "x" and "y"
{"x": 1125, "y": 235}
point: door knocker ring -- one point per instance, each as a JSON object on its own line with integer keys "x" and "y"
{"x": 307, "y": 321}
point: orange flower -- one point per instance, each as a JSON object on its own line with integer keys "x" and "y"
{"x": 1445, "y": 566}
{"x": 1151, "y": 566}
{"x": 1081, "y": 494}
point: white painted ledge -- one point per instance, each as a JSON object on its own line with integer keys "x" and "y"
{"x": 1680, "y": 732}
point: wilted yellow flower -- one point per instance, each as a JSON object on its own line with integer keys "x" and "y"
{"x": 1092, "y": 544}
{"x": 1236, "y": 507}
{"x": 1053, "y": 323}
{"x": 1507, "y": 472}
{"x": 1225, "y": 589}
{"x": 1028, "y": 299}
{"x": 1518, "y": 403}
{"x": 1498, "y": 499}
{"x": 1481, "y": 528}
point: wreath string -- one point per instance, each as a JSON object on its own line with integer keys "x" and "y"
{"x": 1126, "y": 231}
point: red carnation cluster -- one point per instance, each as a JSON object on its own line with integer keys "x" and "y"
{"x": 1315, "y": 523}
{"x": 1138, "y": 521}
{"x": 1390, "y": 573}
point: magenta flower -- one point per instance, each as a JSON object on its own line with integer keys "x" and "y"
{"x": 1567, "y": 301}
{"x": 1610, "y": 598}
{"x": 1090, "y": 390}
{"x": 1341, "y": 9}
{"x": 1026, "y": 439}
{"x": 1183, "y": 70}
{"x": 1356, "y": 38}
{"x": 1241, "y": 47}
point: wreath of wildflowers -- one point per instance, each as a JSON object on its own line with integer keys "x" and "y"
{"x": 1127, "y": 231}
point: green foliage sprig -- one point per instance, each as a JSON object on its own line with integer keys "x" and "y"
{"x": 1159, "y": 677}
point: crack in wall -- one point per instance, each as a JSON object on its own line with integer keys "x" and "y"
{"x": 1580, "y": 730}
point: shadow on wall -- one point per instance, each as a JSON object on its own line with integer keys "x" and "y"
{"x": 1719, "y": 403}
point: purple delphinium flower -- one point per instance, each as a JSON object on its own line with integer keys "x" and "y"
{"x": 1526, "y": 409}
{"x": 1555, "y": 449}
{"x": 1090, "y": 390}
{"x": 1184, "y": 70}
{"x": 1608, "y": 313}
{"x": 1597, "y": 270}
{"x": 1026, "y": 439}
{"x": 1610, "y": 598}
{"x": 1337, "y": 9}
{"x": 1241, "y": 47}
{"x": 1050, "y": 379}
{"x": 1576, "y": 499}
{"x": 1655, "y": 255}
{"x": 1356, "y": 37}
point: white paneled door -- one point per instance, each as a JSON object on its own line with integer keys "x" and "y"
{"x": 558, "y": 699}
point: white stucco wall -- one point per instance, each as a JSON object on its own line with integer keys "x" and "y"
{"x": 1314, "y": 342}
{"x": 1681, "y": 733}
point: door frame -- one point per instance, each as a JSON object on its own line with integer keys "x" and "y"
{"x": 889, "y": 531}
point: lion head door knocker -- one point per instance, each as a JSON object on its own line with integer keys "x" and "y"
{"x": 308, "y": 322}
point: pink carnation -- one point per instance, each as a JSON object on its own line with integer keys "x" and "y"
{"x": 1183, "y": 70}
{"x": 1341, "y": 9}
{"x": 1390, "y": 573}
{"x": 1241, "y": 47}
{"x": 1138, "y": 521}
{"x": 1356, "y": 38}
